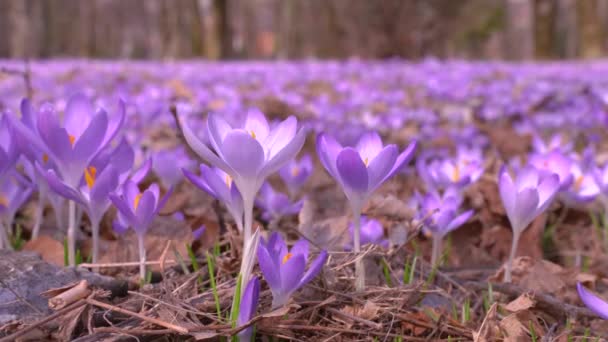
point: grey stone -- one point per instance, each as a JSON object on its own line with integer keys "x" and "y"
{"x": 27, "y": 275}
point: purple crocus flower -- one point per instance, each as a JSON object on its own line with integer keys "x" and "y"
{"x": 360, "y": 171}
{"x": 524, "y": 199}
{"x": 249, "y": 154}
{"x": 138, "y": 209}
{"x": 13, "y": 194}
{"x": 439, "y": 214}
{"x": 583, "y": 189}
{"x": 554, "y": 162}
{"x": 100, "y": 179}
{"x": 276, "y": 204}
{"x": 9, "y": 149}
{"x": 247, "y": 309}
{"x": 592, "y": 301}
{"x": 463, "y": 169}
{"x": 372, "y": 232}
{"x": 219, "y": 184}
{"x": 284, "y": 269}
{"x": 555, "y": 142}
{"x": 169, "y": 164}
{"x": 296, "y": 173}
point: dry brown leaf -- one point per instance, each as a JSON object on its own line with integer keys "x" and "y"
{"x": 489, "y": 330}
{"x": 516, "y": 326}
{"x": 521, "y": 303}
{"x": 537, "y": 275}
{"x": 49, "y": 249}
{"x": 368, "y": 311}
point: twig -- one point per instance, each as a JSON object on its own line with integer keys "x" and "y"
{"x": 152, "y": 320}
{"x": 543, "y": 302}
{"x": 129, "y": 264}
{"x": 140, "y": 332}
{"x": 369, "y": 323}
{"x": 43, "y": 321}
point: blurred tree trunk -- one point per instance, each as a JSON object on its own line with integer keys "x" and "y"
{"x": 520, "y": 29}
{"x": 224, "y": 30}
{"x": 17, "y": 15}
{"x": 544, "y": 27}
{"x": 590, "y": 31}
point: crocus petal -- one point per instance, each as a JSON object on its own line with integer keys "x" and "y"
{"x": 115, "y": 123}
{"x": 593, "y": 302}
{"x": 547, "y": 190}
{"x": 124, "y": 208}
{"x": 291, "y": 273}
{"x": 200, "y": 183}
{"x": 288, "y": 152}
{"x": 243, "y": 153}
{"x": 145, "y": 210}
{"x": 90, "y": 140}
{"x": 78, "y": 113}
{"x": 300, "y": 247}
{"x": 55, "y": 137}
{"x": 269, "y": 268}
{"x": 459, "y": 220}
{"x": 352, "y": 170}
{"x": 369, "y": 145}
{"x": 105, "y": 183}
{"x": 217, "y": 185}
{"x": 143, "y": 170}
{"x": 527, "y": 178}
{"x": 507, "y": 191}
{"x": 381, "y": 165}
{"x": 249, "y": 301}
{"x": 402, "y": 159}
{"x": 217, "y": 128}
{"x": 280, "y": 136}
{"x": 256, "y": 124}
{"x": 200, "y": 148}
{"x": 314, "y": 268}
{"x": 61, "y": 188}
{"x": 327, "y": 150}
{"x": 525, "y": 209}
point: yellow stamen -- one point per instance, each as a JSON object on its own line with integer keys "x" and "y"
{"x": 295, "y": 171}
{"x": 90, "y": 174}
{"x": 456, "y": 173}
{"x": 578, "y": 182}
{"x": 136, "y": 201}
{"x": 287, "y": 257}
{"x": 72, "y": 139}
{"x": 45, "y": 158}
{"x": 228, "y": 181}
{"x": 252, "y": 134}
{"x": 366, "y": 161}
{"x": 3, "y": 201}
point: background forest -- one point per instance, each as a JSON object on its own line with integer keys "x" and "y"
{"x": 262, "y": 29}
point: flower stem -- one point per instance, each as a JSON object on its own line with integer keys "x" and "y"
{"x": 95, "y": 232}
{"x": 72, "y": 233}
{"x": 248, "y": 206}
{"x": 142, "y": 256}
{"x": 4, "y": 242}
{"x": 359, "y": 266}
{"x": 437, "y": 239}
{"x": 38, "y": 216}
{"x": 509, "y": 265}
